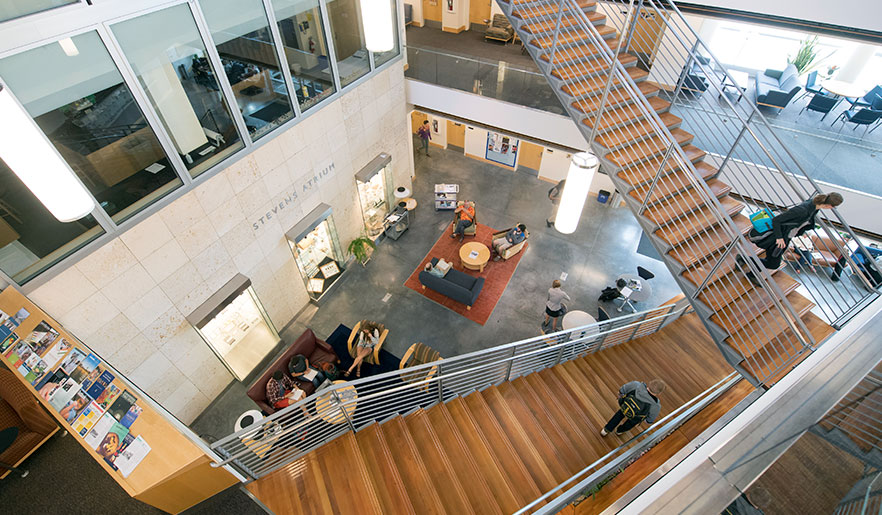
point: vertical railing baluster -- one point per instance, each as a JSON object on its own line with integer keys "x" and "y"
{"x": 633, "y": 27}
{"x": 609, "y": 80}
{"x": 560, "y": 11}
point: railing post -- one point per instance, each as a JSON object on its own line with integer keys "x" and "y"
{"x": 560, "y": 10}
{"x": 633, "y": 26}
{"x": 510, "y": 363}
{"x": 713, "y": 269}
{"x": 735, "y": 144}
{"x": 658, "y": 172}
{"x": 684, "y": 74}
{"x": 343, "y": 411}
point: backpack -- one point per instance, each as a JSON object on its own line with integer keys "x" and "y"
{"x": 608, "y": 294}
{"x": 329, "y": 369}
{"x": 632, "y": 407}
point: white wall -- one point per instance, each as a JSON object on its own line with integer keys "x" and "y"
{"x": 554, "y": 165}
{"x": 864, "y": 14}
{"x": 458, "y": 19}
{"x": 517, "y": 119}
{"x": 127, "y": 300}
{"x": 475, "y": 141}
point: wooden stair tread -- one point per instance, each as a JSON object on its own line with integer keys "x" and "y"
{"x": 677, "y": 183}
{"x": 591, "y": 88}
{"x": 382, "y": 470}
{"x": 707, "y": 243}
{"x": 616, "y": 97}
{"x": 626, "y": 113}
{"x": 435, "y": 460}
{"x": 417, "y": 481}
{"x": 678, "y": 232}
{"x": 744, "y": 308}
{"x": 568, "y": 20}
{"x": 727, "y": 283}
{"x": 511, "y": 485}
{"x": 512, "y": 463}
{"x": 353, "y": 491}
{"x": 643, "y": 173}
{"x": 546, "y": 9}
{"x": 587, "y": 68}
{"x": 635, "y": 130}
{"x": 547, "y": 473}
{"x": 646, "y": 148}
{"x": 608, "y": 34}
{"x": 689, "y": 202}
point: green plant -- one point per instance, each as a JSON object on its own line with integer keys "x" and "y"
{"x": 806, "y": 54}
{"x": 359, "y": 248}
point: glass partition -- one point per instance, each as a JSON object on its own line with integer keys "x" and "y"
{"x": 31, "y": 239}
{"x": 78, "y": 98}
{"x": 10, "y": 9}
{"x": 352, "y": 56}
{"x": 300, "y": 26}
{"x": 168, "y": 56}
{"x": 384, "y": 57}
{"x": 241, "y": 32}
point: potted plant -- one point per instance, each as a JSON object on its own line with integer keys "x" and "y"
{"x": 362, "y": 248}
{"x": 806, "y": 58}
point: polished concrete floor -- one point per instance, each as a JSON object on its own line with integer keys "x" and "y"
{"x": 603, "y": 247}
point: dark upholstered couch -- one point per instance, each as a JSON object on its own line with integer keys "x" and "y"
{"x": 776, "y": 88}
{"x": 315, "y": 350}
{"x": 457, "y": 285}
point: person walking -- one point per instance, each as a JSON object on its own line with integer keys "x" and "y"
{"x": 425, "y": 134}
{"x": 786, "y": 226}
{"x": 554, "y": 195}
{"x": 637, "y": 403}
{"x": 554, "y": 308}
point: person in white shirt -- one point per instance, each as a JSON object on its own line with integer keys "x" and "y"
{"x": 554, "y": 304}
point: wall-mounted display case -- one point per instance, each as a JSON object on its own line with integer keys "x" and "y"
{"x": 374, "y": 183}
{"x": 317, "y": 251}
{"x": 236, "y": 327}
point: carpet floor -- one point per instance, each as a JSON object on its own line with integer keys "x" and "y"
{"x": 496, "y": 274}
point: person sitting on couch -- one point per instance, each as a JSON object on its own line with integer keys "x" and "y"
{"x": 300, "y": 370}
{"x": 512, "y": 237}
{"x": 368, "y": 338}
{"x": 282, "y": 392}
{"x": 465, "y": 218}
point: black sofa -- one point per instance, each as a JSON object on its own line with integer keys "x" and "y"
{"x": 776, "y": 88}
{"x": 457, "y": 285}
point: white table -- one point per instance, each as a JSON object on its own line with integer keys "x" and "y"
{"x": 843, "y": 89}
{"x": 739, "y": 80}
{"x": 574, "y": 320}
{"x": 640, "y": 295}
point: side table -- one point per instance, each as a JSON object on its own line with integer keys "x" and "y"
{"x": 327, "y": 402}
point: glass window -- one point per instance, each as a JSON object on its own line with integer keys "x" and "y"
{"x": 300, "y": 25}
{"x": 76, "y": 95}
{"x": 241, "y": 32}
{"x": 168, "y": 56}
{"x": 31, "y": 239}
{"x": 10, "y": 9}
{"x": 352, "y": 57}
{"x": 384, "y": 57}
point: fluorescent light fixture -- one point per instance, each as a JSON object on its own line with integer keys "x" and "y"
{"x": 376, "y": 18}
{"x": 70, "y": 49}
{"x": 582, "y": 169}
{"x": 35, "y": 161}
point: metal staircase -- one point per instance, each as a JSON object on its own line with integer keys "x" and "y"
{"x": 683, "y": 196}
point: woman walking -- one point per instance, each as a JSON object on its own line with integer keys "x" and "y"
{"x": 554, "y": 305}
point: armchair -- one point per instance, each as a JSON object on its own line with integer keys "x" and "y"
{"x": 776, "y": 88}
{"x": 19, "y": 408}
{"x": 866, "y": 116}
{"x": 873, "y": 99}
{"x": 821, "y": 104}
{"x": 514, "y": 249}
{"x": 693, "y": 77}
{"x": 811, "y": 85}
{"x": 374, "y": 358}
{"x": 500, "y": 29}
{"x": 471, "y": 230}
{"x": 419, "y": 354}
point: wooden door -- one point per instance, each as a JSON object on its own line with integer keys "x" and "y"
{"x": 416, "y": 120}
{"x": 648, "y": 34}
{"x": 531, "y": 155}
{"x": 432, "y": 10}
{"x": 455, "y": 134}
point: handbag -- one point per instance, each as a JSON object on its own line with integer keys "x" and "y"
{"x": 762, "y": 220}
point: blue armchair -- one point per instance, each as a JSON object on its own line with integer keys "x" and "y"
{"x": 811, "y": 85}
{"x": 872, "y": 99}
{"x": 866, "y": 116}
{"x": 777, "y": 88}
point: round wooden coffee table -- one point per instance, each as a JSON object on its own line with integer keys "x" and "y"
{"x": 474, "y": 263}
{"x": 326, "y": 401}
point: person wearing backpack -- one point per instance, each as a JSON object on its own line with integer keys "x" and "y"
{"x": 554, "y": 195}
{"x": 637, "y": 403}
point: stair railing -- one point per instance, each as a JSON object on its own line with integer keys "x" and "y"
{"x": 858, "y": 416}
{"x": 765, "y": 363}
{"x": 767, "y": 172}
{"x": 616, "y": 460}
{"x": 287, "y": 435}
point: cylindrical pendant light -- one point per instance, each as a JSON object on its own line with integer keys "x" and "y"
{"x": 376, "y": 18}
{"x": 582, "y": 169}
{"x": 35, "y": 161}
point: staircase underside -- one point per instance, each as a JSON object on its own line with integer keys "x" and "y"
{"x": 496, "y": 450}
{"x": 690, "y": 231}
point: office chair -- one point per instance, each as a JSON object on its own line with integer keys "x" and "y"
{"x": 602, "y": 314}
{"x": 821, "y": 104}
{"x": 866, "y": 116}
{"x": 811, "y": 85}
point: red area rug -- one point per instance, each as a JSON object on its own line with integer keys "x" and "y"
{"x": 496, "y": 274}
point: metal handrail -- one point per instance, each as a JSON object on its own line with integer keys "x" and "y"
{"x": 631, "y": 449}
{"x": 292, "y": 432}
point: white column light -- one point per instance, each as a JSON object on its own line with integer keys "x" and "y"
{"x": 376, "y": 18}
{"x": 582, "y": 169}
{"x": 35, "y": 161}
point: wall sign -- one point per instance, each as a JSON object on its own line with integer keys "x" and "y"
{"x": 303, "y": 188}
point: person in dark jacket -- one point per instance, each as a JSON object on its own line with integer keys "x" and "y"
{"x": 786, "y": 226}
{"x": 554, "y": 195}
{"x": 647, "y": 396}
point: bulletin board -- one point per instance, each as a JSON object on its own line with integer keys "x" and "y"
{"x": 100, "y": 409}
{"x": 502, "y": 149}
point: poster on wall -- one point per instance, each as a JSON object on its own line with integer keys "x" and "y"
{"x": 501, "y": 149}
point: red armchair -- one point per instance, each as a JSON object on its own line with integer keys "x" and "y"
{"x": 315, "y": 350}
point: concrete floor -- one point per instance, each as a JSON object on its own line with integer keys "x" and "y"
{"x": 603, "y": 246}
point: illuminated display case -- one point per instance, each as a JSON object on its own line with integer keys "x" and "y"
{"x": 317, "y": 251}
{"x": 374, "y": 183}
{"x": 236, "y": 327}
